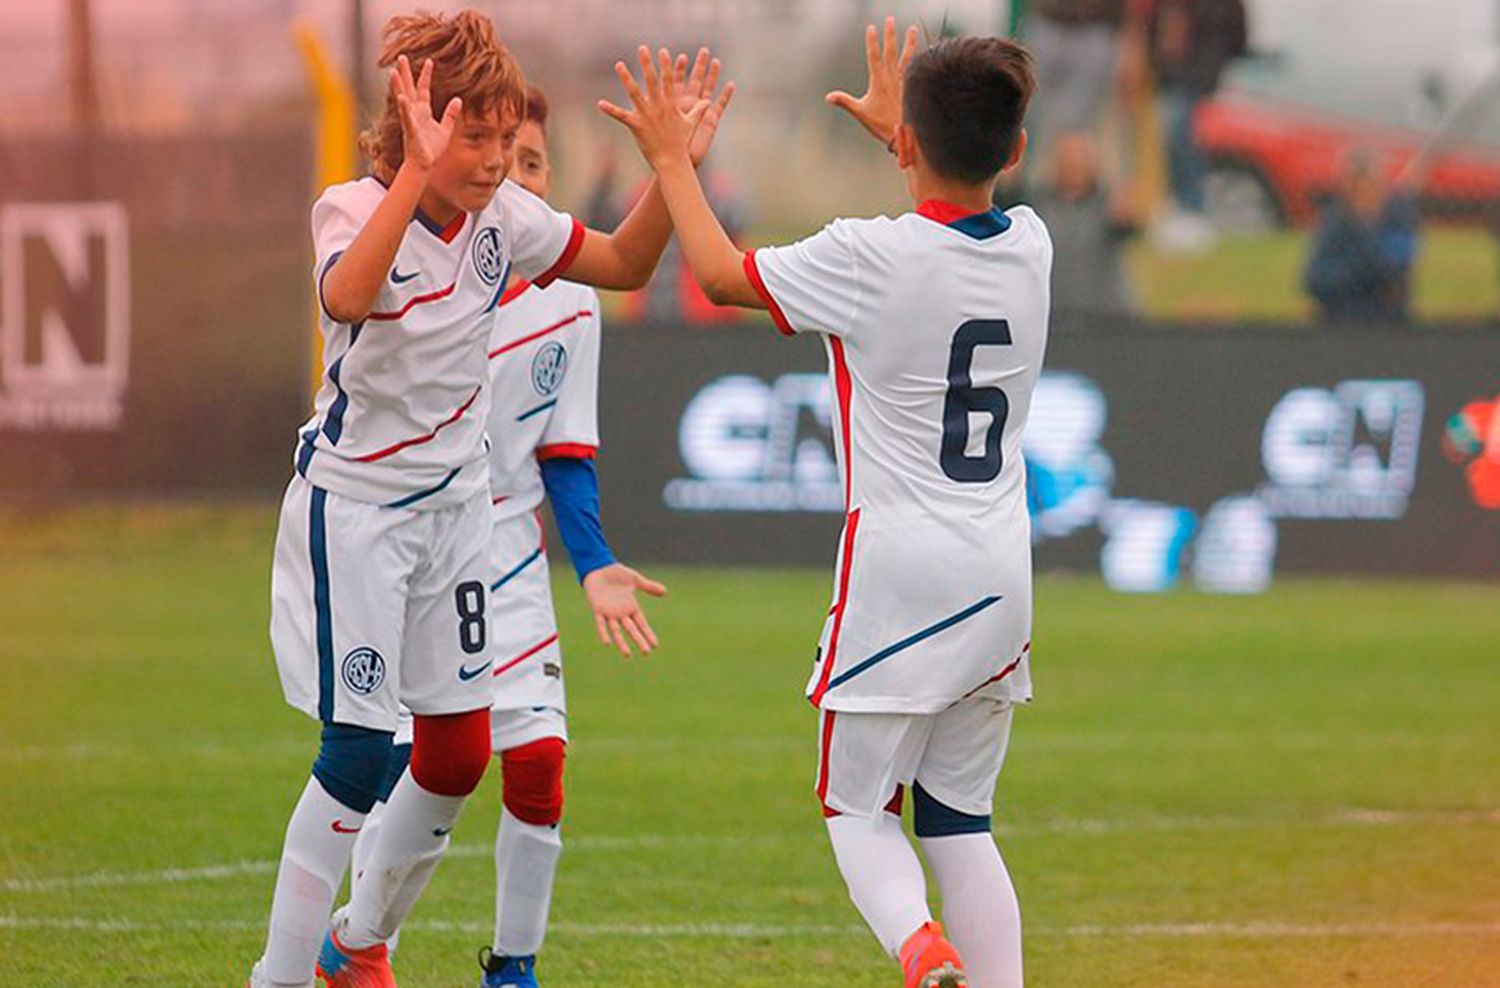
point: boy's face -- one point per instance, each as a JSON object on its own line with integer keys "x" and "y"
{"x": 531, "y": 169}
{"x": 477, "y": 159}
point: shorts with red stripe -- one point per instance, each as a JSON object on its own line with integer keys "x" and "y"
{"x": 865, "y": 758}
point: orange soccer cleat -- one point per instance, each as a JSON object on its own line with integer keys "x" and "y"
{"x": 342, "y": 967}
{"x": 929, "y": 961}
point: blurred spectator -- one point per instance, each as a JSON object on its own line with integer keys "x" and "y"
{"x": 1089, "y": 227}
{"x": 1074, "y": 43}
{"x": 1189, "y": 42}
{"x": 1364, "y": 245}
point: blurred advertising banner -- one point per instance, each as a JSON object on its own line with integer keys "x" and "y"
{"x": 1157, "y": 458}
{"x": 154, "y": 312}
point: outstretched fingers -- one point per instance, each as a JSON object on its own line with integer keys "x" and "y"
{"x": 908, "y": 50}
{"x": 888, "y": 48}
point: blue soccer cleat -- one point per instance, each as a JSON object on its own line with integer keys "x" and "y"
{"x": 506, "y": 972}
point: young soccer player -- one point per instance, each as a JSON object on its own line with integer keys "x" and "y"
{"x": 544, "y": 370}
{"x": 382, "y": 564}
{"x": 935, "y": 324}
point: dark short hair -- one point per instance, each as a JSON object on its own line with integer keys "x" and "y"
{"x": 536, "y": 105}
{"x": 965, "y": 99}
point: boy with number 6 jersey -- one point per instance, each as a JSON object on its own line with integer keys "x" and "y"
{"x": 381, "y": 576}
{"x": 935, "y": 324}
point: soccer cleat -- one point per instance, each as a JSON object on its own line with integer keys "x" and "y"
{"x": 929, "y": 961}
{"x": 342, "y": 967}
{"x": 506, "y": 972}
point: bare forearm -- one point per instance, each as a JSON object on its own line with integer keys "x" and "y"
{"x": 350, "y": 287}
{"x": 717, "y": 264}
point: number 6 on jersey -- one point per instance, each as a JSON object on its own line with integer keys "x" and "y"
{"x": 963, "y": 398}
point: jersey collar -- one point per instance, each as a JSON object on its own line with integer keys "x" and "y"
{"x": 443, "y": 233}
{"x": 980, "y": 226}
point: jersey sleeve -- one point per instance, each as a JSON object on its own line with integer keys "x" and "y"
{"x": 337, "y": 217}
{"x": 811, "y": 286}
{"x": 573, "y": 427}
{"x": 543, "y": 241}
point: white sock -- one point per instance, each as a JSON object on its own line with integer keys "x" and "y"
{"x": 980, "y": 912}
{"x": 525, "y": 862}
{"x": 364, "y": 845}
{"x": 313, "y": 858}
{"x": 883, "y": 874}
{"x": 413, "y": 835}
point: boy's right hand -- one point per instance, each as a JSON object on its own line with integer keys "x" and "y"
{"x": 424, "y": 138}
{"x": 879, "y": 109}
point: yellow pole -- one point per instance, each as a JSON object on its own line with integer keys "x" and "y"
{"x": 336, "y": 129}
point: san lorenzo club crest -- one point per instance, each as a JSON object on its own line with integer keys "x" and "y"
{"x": 487, "y": 255}
{"x": 363, "y": 670}
{"x": 548, "y": 367}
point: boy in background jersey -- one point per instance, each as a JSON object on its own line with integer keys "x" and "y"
{"x": 544, "y": 372}
{"x": 382, "y": 563}
{"x": 935, "y": 324}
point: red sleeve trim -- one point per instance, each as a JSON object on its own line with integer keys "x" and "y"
{"x": 558, "y": 451}
{"x": 565, "y": 259}
{"x": 777, "y": 316}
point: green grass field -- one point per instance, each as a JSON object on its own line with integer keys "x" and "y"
{"x": 1295, "y": 790}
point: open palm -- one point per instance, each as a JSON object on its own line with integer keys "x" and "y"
{"x": 424, "y": 137}
{"x": 879, "y": 109}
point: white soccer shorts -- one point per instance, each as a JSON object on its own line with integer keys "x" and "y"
{"x": 529, "y": 702}
{"x": 373, "y": 607}
{"x": 956, "y": 755}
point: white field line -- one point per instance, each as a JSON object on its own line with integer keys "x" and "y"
{"x": 1351, "y": 818}
{"x": 782, "y": 931}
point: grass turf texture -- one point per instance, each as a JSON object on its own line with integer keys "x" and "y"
{"x": 1300, "y": 789}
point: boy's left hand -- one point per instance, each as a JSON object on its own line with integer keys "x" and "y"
{"x": 665, "y": 116}
{"x": 617, "y": 613}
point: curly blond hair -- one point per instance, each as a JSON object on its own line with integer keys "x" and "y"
{"x": 468, "y": 61}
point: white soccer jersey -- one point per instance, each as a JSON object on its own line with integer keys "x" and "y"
{"x": 544, "y": 369}
{"x": 935, "y": 324}
{"x": 400, "y": 416}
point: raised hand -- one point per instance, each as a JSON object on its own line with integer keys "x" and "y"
{"x": 424, "y": 138}
{"x": 617, "y": 613}
{"x": 660, "y": 127}
{"x": 689, "y": 88}
{"x": 879, "y": 109}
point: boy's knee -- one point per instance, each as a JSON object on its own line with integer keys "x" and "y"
{"x": 449, "y": 752}
{"x": 531, "y": 786}
{"x": 352, "y": 763}
{"x": 931, "y": 818}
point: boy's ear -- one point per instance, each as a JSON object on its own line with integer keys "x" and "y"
{"x": 1018, "y": 152}
{"x": 908, "y": 152}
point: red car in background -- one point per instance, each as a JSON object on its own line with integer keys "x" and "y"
{"x": 1272, "y": 163}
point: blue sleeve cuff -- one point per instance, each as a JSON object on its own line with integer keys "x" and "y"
{"x": 572, "y": 486}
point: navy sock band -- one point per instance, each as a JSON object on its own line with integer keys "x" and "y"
{"x": 934, "y": 819}
{"x": 352, "y": 763}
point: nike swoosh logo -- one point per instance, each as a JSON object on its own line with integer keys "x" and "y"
{"x": 466, "y": 674}
{"x": 339, "y": 828}
{"x": 397, "y": 278}
{"x": 441, "y": 831}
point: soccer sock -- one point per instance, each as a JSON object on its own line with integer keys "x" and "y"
{"x": 413, "y": 836}
{"x": 980, "y": 911}
{"x": 365, "y": 842}
{"x": 883, "y": 874}
{"x": 319, "y": 839}
{"x": 525, "y": 861}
